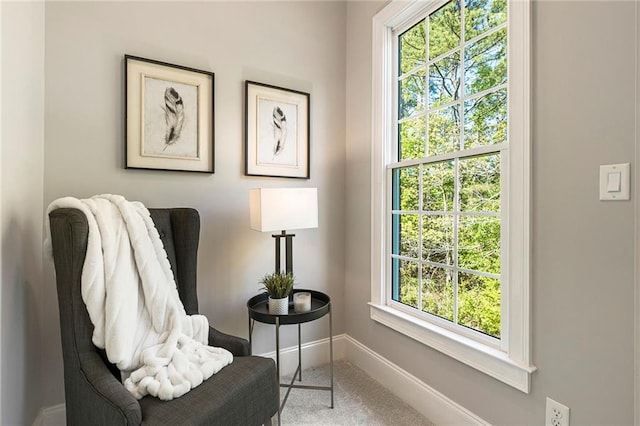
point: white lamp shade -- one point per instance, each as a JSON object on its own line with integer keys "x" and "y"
{"x": 279, "y": 209}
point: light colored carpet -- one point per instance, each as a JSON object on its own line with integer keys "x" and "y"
{"x": 358, "y": 400}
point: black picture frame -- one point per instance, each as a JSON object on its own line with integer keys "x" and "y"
{"x": 169, "y": 116}
{"x": 277, "y": 131}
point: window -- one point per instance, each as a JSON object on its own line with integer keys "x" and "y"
{"x": 451, "y": 180}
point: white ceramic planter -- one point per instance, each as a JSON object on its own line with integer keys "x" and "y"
{"x": 279, "y": 306}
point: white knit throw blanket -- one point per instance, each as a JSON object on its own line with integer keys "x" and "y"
{"x": 133, "y": 302}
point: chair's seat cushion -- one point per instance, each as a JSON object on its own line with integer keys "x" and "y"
{"x": 242, "y": 393}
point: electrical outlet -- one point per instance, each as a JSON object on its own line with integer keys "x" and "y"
{"x": 556, "y": 414}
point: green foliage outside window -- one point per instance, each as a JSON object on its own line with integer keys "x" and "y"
{"x": 452, "y": 97}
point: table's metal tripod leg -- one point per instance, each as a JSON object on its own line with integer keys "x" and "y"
{"x": 299, "y": 355}
{"x": 278, "y": 366}
{"x": 331, "y": 351}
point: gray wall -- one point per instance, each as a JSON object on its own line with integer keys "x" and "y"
{"x": 298, "y": 45}
{"x": 583, "y": 115}
{"x": 583, "y": 283}
{"x": 21, "y": 186}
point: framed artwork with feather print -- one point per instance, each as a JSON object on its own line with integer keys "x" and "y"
{"x": 169, "y": 116}
{"x": 276, "y": 131}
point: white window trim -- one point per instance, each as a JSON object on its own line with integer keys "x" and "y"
{"x": 512, "y": 362}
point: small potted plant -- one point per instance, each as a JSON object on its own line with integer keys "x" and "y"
{"x": 279, "y": 286}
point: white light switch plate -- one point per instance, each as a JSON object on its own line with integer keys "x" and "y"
{"x": 611, "y": 170}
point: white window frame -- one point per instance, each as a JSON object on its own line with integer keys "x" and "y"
{"x": 510, "y": 362}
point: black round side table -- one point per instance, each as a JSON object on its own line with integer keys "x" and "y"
{"x": 320, "y": 306}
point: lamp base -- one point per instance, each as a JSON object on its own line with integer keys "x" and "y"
{"x": 288, "y": 251}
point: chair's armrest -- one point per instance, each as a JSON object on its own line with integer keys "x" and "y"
{"x": 236, "y": 345}
{"x": 109, "y": 400}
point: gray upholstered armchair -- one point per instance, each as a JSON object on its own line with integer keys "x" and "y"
{"x": 245, "y": 392}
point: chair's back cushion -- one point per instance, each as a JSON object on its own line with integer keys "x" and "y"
{"x": 179, "y": 230}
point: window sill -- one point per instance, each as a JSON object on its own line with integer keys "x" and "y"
{"x": 490, "y": 361}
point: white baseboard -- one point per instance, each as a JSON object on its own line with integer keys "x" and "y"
{"x": 54, "y": 415}
{"x": 439, "y": 409}
{"x": 314, "y": 354}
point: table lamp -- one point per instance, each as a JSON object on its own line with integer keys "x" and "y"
{"x": 283, "y": 209}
